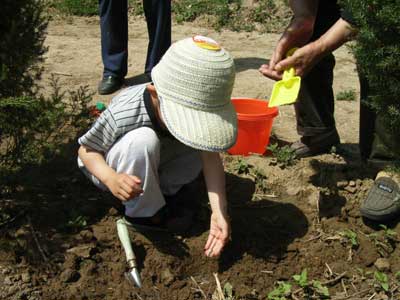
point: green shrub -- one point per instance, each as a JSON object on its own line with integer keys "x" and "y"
{"x": 33, "y": 129}
{"x": 22, "y": 26}
{"x": 377, "y": 52}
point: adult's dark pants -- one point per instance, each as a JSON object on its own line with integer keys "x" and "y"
{"x": 114, "y": 34}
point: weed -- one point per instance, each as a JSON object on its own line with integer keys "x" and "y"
{"x": 301, "y": 279}
{"x": 397, "y": 275}
{"x": 351, "y": 236}
{"x": 285, "y": 156}
{"x": 242, "y": 167}
{"x": 382, "y": 280}
{"x": 346, "y": 95}
{"x": 281, "y": 292}
{"x": 228, "y": 291}
{"x": 77, "y": 222}
{"x": 389, "y": 234}
{"x": 320, "y": 289}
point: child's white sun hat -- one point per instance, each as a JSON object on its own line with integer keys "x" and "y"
{"x": 194, "y": 82}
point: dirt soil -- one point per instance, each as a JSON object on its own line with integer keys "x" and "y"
{"x": 60, "y": 241}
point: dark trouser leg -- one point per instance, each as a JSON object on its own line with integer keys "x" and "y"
{"x": 114, "y": 36}
{"x": 158, "y": 17}
{"x": 367, "y": 121}
{"x": 315, "y": 105}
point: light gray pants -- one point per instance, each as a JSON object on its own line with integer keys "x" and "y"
{"x": 163, "y": 165}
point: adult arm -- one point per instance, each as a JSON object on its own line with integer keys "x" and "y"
{"x": 306, "y": 57}
{"x": 297, "y": 34}
{"x": 122, "y": 186}
{"x": 214, "y": 175}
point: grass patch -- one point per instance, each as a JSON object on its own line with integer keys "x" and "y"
{"x": 346, "y": 95}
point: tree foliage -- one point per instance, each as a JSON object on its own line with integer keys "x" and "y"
{"x": 22, "y": 28}
{"x": 377, "y": 52}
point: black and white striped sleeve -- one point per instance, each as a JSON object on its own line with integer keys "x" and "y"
{"x": 103, "y": 133}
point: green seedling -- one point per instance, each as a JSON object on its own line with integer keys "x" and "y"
{"x": 281, "y": 292}
{"x": 228, "y": 291}
{"x": 390, "y": 234}
{"x": 346, "y": 95}
{"x": 320, "y": 289}
{"x": 382, "y": 279}
{"x": 351, "y": 236}
{"x": 285, "y": 156}
{"x": 242, "y": 167}
{"x": 301, "y": 279}
{"x": 397, "y": 275}
{"x": 78, "y": 222}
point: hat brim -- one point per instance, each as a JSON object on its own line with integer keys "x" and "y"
{"x": 209, "y": 131}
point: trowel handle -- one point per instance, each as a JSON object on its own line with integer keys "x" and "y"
{"x": 123, "y": 235}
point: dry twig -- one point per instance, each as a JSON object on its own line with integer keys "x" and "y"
{"x": 219, "y": 289}
{"x": 36, "y": 239}
{"x": 198, "y": 287}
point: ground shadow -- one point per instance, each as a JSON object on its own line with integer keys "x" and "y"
{"x": 249, "y": 63}
{"x": 137, "y": 79}
{"x": 262, "y": 228}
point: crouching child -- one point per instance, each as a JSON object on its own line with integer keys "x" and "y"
{"x": 155, "y": 138}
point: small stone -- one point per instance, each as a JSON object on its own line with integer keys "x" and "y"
{"x": 6, "y": 271}
{"x": 69, "y": 275}
{"x": 314, "y": 198}
{"x": 352, "y": 183}
{"x": 293, "y": 190}
{"x": 25, "y": 277}
{"x": 350, "y": 189}
{"x": 382, "y": 264}
{"x": 167, "y": 277}
{"x": 86, "y": 234}
{"x": 85, "y": 251}
{"x": 342, "y": 184}
{"x": 7, "y": 280}
{"x": 113, "y": 212}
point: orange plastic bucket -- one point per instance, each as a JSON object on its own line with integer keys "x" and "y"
{"x": 255, "y": 120}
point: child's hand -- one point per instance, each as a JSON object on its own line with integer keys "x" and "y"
{"x": 124, "y": 186}
{"x": 219, "y": 235}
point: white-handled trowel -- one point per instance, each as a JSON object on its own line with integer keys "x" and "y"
{"x": 132, "y": 275}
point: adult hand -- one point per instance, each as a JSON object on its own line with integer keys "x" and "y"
{"x": 302, "y": 60}
{"x": 219, "y": 235}
{"x": 296, "y": 34}
{"x": 124, "y": 186}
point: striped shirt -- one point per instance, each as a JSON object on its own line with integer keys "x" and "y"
{"x": 127, "y": 111}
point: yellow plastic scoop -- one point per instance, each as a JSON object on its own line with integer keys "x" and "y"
{"x": 285, "y": 91}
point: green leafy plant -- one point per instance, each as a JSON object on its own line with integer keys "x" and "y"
{"x": 285, "y": 156}
{"x": 382, "y": 279}
{"x": 346, "y": 95}
{"x": 350, "y": 236}
{"x": 389, "y": 234}
{"x": 77, "y": 222}
{"x": 228, "y": 291}
{"x": 320, "y": 289}
{"x": 281, "y": 292}
{"x": 301, "y": 279}
{"x": 242, "y": 167}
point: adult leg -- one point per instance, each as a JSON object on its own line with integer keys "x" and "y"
{"x": 315, "y": 110}
{"x": 114, "y": 43}
{"x": 158, "y": 18}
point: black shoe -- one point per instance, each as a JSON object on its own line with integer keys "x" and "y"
{"x": 313, "y": 145}
{"x": 383, "y": 200}
{"x": 109, "y": 84}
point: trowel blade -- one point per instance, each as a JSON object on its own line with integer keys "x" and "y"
{"x": 133, "y": 277}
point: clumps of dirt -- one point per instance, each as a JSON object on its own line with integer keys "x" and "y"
{"x": 284, "y": 221}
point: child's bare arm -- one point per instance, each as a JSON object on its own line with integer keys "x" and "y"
{"x": 122, "y": 186}
{"x": 219, "y": 224}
